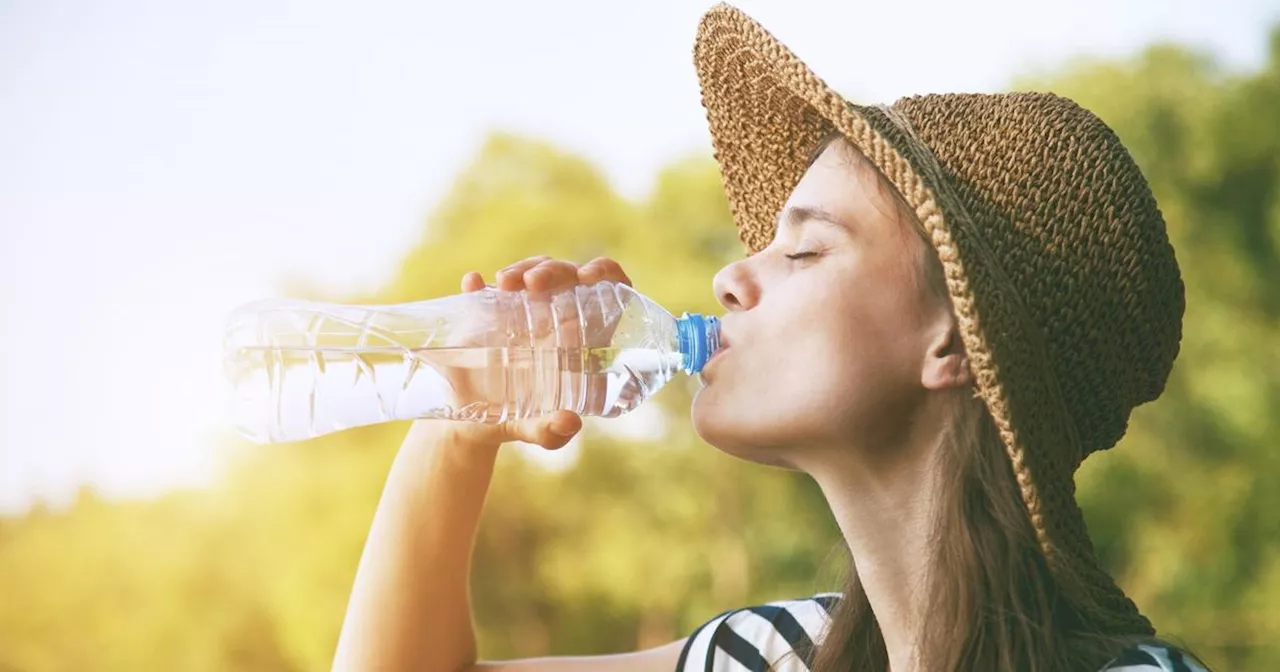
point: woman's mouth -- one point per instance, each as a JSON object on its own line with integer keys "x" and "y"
{"x": 715, "y": 357}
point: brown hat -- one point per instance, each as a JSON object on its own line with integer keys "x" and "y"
{"x": 1065, "y": 286}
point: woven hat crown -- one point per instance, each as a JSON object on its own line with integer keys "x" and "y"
{"x": 1068, "y": 220}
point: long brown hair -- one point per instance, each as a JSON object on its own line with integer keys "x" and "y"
{"x": 993, "y": 603}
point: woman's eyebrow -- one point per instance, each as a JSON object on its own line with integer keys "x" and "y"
{"x": 794, "y": 216}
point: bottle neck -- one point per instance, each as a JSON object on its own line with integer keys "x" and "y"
{"x": 699, "y": 338}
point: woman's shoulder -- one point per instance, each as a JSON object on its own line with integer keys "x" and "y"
{"x": 781, "y": 636}
{"x": 1154, "y": 657}
{"x": 774, "y": 636}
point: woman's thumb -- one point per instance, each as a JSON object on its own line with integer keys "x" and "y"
{"x": 551, "y": 431}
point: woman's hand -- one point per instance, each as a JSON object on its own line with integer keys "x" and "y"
{"x": 410, "y": 608}
{"x": 543, "y": 277}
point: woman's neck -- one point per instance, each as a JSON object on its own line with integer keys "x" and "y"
{"x": 886, "y": 509}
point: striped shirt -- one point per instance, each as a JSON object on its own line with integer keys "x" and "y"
{"x": 780, "y": 637}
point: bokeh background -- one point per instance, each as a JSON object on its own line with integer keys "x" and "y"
{"x": 162, "y": 162}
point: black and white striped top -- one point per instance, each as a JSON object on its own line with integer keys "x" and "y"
{"x": 780, "y": 636}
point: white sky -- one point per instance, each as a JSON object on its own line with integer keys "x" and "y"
{"x": 164, "y": 161}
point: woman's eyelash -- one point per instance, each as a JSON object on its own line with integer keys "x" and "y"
{"x": 801, "y": 255}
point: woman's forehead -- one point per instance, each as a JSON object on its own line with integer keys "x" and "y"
{"x": 840, "y": 179}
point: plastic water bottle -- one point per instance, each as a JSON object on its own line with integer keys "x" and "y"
{"x": 300, "y": 369}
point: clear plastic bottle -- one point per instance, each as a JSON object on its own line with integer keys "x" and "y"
{"x": 300, "y": 369}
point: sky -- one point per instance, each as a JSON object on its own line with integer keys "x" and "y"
{"x": 162, "y": 162}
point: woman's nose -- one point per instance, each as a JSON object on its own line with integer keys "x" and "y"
{"x": 734, "y": 287}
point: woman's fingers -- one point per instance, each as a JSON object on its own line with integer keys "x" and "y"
{"x": 551, "y": 276}
{"x": 600, "y": 269}
{"x": 544, "y": 274}
{"x": 511, "y": 278}
{"x": 472, "y": 282}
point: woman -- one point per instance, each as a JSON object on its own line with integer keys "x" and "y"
{"x": 961, "y": 296}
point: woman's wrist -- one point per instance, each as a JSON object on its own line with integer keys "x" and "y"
{"x": 453, "y": 443}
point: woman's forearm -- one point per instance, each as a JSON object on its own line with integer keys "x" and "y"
{"x": 410, "y": 607}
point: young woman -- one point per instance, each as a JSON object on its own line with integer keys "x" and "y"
{"x": 951, "y": 302}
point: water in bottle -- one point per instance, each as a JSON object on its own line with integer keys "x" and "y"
{"x": 300, "y": 369}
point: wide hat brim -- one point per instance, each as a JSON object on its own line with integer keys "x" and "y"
{"x": 767, "y": 110}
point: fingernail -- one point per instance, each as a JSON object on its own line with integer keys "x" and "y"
{"x": 561, "y": 430}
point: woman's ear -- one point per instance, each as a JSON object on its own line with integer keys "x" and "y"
{"x": 946, "y": 365}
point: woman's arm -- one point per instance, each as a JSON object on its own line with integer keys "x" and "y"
{"x": 410, "y": 607}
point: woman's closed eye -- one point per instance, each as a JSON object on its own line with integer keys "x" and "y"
{"x": 802, "y": 255}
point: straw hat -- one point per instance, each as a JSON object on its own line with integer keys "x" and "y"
{"x": 1066, "y": 289}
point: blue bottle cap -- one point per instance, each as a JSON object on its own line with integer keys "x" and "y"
{"x": 699, "y": 339}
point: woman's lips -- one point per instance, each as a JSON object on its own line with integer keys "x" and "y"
{"x": 722, "y": 344}
{"x": 715, "y": 357}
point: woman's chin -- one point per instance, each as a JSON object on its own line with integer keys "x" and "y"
{"x": 732, "y": 433}
{"x": 709, "y": 416}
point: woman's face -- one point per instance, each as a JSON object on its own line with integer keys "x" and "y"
{"x": 829, "y": 329}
